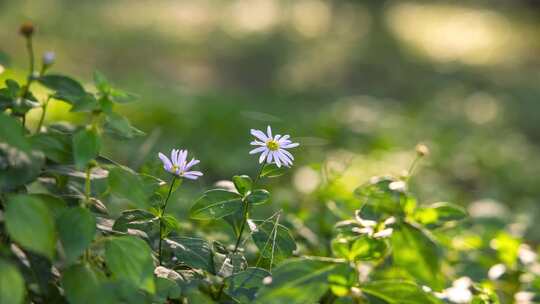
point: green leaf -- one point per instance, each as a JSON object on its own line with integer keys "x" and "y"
{"x": 127, "y": 184}
{"x": 439, "y": 213}
{"x": 86, "y": 146}
{"x": 81, "y": 285}
{"x": 273, "y": 240}
{"x": 101, "y": 82}
{"x": 297, "y": 281}
{"x": 19, "y": 163}
{"x": 136, "y": 219}
{"x": 215, "y": 204}
{"x": 170, "y": 224}
{"x": 418, "y": 254}
{"x": 66, "y": 88}
{"x": 258, "y": 197}
{"x": 130, "y": 259}
{"x": 120, "y": 126}
{"x": 12, "y": 289}
{"x": 57, "y": 147}
{"x": 31, "y": 224}
{"x": 192, "y": 252}
{"x": 244, "y": 285}
{"x": 242, "y": 183}
{"x": 271, "y": 171}
{"x": 76, "y": 228}
{"x": 398, "y": 292}
{"x": 85, "y": 103}
{"x": 360, "y": 248}
{"x": 120, "y": 96}
{"x": 378, "y": 194}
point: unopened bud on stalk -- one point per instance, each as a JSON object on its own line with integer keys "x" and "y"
{"x": 422, "y": 150}
{"x": 48, "y": 58}
{"x": 27, "y": 29}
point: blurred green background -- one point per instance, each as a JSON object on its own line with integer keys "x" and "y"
{"x": 357, "y": 83}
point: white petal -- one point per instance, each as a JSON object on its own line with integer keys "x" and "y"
{"x": 196, "y": 173}
{"x": 257, "y": 143}
{"x": 166, "y": 162}
{"x": 189, "y": 176}
{"x": 263, "y": 156}
{"x": 182, "y": 157}
{"x": 192, "y": 163}
{"x": 277, "y": 160}
{"x": 292, "y": 145}
{"x": 259, "y": 134}
{"x": 174, "y": 154}
{"x": 284, "y": 160}
{"x": 257, "y": 150}
{"x": 383, "y": 233}
{"x": 284, "y": 138}
{"x": 287, "y": 153}
{"x": 276, "y": 138}
{"x": 269, "y": 132}
{"x": 269, "y": 157}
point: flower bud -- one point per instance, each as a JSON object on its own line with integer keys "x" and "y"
{"x": 48, "y": 58}
{"x": 422, "y": 150}
{"x": 27, "y": 29}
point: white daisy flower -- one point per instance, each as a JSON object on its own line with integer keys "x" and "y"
{"x": 272, "y": 148}
{"x": 178, "y": 164}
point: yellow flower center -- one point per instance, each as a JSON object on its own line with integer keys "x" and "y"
{"x": 272, "y": 145}
{"x": 175, "y": 167}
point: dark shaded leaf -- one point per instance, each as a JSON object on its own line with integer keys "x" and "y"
{"x": 273, "y": 240}
{"x": 76, "y": 229}
{"x": 30, "y": 223}
{"x": 86, "y": 146}
{"x": 244, "y": 285}
{"x": 192, "y": 252}
{"x": 130, "y": 260}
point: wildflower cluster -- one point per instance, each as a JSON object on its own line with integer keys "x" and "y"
{"x": 77, "y": 227}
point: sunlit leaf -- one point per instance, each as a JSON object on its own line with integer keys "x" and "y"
{"x": 215, "y": 204}
{"x": 12, "y": 289}
{"x": 399, "y": 292}
{"x": 418, "y": 254}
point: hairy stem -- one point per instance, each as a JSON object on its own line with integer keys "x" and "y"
{"x": 87, "y": 185}
{"x": 161, "y": 225}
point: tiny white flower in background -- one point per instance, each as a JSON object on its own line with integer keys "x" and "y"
{"x": 273, "y": 148}
{"x": 400, "y": 186}
{"x": 178, "y": 164}
{"x": 496, "y": 271}
{"x": 524, "y": 297}
{"x": 48, "y": 58}
{"x": 372, "y": 228}
{"x": 459, "y": 292}
{"x": 526, "y": 254}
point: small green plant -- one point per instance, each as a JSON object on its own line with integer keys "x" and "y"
{"x": 77, "y": 227}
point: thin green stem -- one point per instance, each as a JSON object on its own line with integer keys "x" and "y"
{"x": 413, "y": 166}
{"x": 30, "y": 49}
{"x": 161, "y": 224}
{"x": 245, "y": 209}
{"x": 87, "y": 185}
{"x": 43, "y": 112}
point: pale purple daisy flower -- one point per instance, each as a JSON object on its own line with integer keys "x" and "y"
{"x": 272, "y": 148}
{"x": 178, "y": 164}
